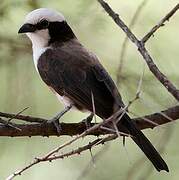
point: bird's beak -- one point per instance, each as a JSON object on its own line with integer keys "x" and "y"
{"x": 27, "y": 28}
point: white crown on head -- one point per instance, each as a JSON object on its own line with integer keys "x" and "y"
{"x": 44, "y": 13}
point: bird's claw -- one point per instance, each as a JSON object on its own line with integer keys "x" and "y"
{"x": 55, "y": 120}
{"x": 56, "y": 123}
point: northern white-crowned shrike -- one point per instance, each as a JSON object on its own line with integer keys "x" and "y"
{"x": 75, "y": 74}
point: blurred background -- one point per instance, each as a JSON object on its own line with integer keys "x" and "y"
{"x": 21, "y": 87}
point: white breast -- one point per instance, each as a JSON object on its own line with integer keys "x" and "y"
{"x": 40, "y": 41}
{"x": 65, "y": 100}
{"x": 39, "y": 44}
{"x": 36, "y": 54}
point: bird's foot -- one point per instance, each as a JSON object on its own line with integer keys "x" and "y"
{"x": 56, "y": 123}
{"x": 87, "y": 121}
{"x": 55, "y": 120}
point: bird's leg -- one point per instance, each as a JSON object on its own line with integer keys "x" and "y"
{"x": 55, "y": 120}
{"x": 88, "y": 120}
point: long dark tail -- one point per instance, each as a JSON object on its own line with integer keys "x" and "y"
{"x": 144, "y": 144}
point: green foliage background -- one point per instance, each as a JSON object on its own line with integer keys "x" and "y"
{"x": 20, "y": 86}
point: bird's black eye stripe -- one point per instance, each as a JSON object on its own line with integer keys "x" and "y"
{"x": 43, "y": 24}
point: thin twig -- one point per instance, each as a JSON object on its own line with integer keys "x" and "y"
{"x": 23, "y": 117}
{"x": 20, "y": 112}
{"x": 93, "y": 104}
{"x": 126, "y": 40}
{"x": 160, "y": 24}
{"x": 139, "y": 87}
{"x": 145, "y": 119}
{"x": 143, "y": 51}
{"x": 61, "y": 156}
{"x": 9, "y": 124}
{"x": 96, "y": 157}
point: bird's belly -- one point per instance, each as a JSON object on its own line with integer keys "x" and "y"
{"x": 68, "y": 102}
{"x": 65, "y": 100}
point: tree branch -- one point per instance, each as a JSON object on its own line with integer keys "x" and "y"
{"x": 160, "y": 24}
{"x": 143, "y": 51}
{"x": 77, "y": 151}
{"x": 126, "y": 40}
{"x": 46, "y": 129}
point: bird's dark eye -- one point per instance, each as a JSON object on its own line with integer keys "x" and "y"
{"x": 43, "y": 24}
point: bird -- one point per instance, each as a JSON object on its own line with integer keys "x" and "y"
{"x": 76, "y": 76}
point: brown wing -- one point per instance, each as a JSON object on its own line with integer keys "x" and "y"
{"x": 76, "y": 73}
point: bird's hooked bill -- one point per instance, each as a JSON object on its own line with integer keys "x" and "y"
{"x": 27, "y": 28}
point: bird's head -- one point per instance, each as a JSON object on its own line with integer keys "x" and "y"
{"x": 44, "y": 26}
